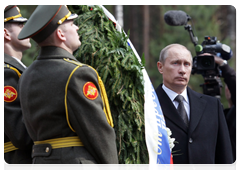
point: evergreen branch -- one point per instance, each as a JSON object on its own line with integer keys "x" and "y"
{"x": 107, "y": 50}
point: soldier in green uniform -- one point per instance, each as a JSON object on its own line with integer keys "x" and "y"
{"x": 64, "y": 102}
{"x": 17, "y": 142}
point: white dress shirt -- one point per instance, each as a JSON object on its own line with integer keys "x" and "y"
{"x": 171, "y": 94}
{"x": 19, "y": 61}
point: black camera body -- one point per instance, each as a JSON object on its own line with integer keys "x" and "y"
{"x": 205, "y": 65}
{"x": 210, "y": 71}
{"x": 206, "y": 62}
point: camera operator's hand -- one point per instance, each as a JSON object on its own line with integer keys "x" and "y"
{"x": 219, "y": 60}
{"x": 228, "y": 96}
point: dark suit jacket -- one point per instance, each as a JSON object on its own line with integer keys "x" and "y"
{"x": 206, "y": 140}
{"x": 14, "y": 127}
{"x": 229, "y": 76}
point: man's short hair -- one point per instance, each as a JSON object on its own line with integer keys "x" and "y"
{"x": 164, "y": 52}
{"x": 50, "y": 39}
{"x": 7, "y": 25}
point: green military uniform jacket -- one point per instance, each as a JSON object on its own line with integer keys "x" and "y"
{"x": 17, "y": 142}
{"x": 63, "y": 107}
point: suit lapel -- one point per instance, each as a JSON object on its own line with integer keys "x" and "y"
{"x": 169, "y": 110}
{"x": 197, "y": 107}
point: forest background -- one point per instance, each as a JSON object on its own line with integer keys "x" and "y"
{"x": 150, "y": 34}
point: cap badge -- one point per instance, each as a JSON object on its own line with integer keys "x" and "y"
{"x": 10, "y": 94}
{"x": 90, "y": 91}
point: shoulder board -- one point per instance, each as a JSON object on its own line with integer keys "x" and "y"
{"x": 12, "y": 68}
{"x": 74, "y": 62}
{"x": 79, "y": 64}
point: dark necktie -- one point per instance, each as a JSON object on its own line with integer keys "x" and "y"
{"x": 181, "y": 110}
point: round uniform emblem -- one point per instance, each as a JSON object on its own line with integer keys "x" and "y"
{"x": 90, "y": 91}
{"x": 10, "y": 94}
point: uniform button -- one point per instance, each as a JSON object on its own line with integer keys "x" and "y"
{"x": 190, "y": 140}
{"x": 47, "y": 149}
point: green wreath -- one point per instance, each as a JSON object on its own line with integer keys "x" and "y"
{"x": 107, "y": 50}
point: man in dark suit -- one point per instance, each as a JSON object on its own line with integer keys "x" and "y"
{"x": 64, "y": 102}
{"x": 197, "y": 121}
{"x": 17, "y": 142}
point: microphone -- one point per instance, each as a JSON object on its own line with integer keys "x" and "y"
{"x": 176, "y": 18}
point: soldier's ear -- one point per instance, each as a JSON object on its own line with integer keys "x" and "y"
{"x": 60, "y": 34}
{"x": 7, "y": 34}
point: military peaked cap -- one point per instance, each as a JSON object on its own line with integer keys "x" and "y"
{"x": 12, "y": 14}
{"x": 44, "y": 21}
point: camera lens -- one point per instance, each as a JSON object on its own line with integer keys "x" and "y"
{"x": 206, "y": 62}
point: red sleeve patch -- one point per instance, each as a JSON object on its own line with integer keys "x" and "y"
{"x": 90, "y": 91}
{"x": 10, "y": 94}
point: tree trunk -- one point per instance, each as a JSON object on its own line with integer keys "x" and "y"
{"x": 146, "y": 33}
{"x": 232, "y": 30}
{"x": 119, "y": 15}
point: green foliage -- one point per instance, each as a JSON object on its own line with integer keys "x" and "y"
{"x": 31, "y": 54}
{"x": 107, "y": 50}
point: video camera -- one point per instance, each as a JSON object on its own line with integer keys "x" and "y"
{"x": 206, "y": 62}
{"x": 203, "y": 63}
